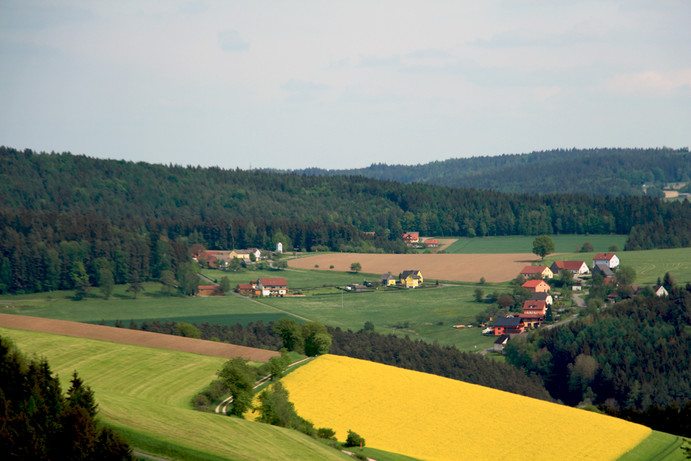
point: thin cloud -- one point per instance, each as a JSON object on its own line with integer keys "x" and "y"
{"x": 230, "y": 41}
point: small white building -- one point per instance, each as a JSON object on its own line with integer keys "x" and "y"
{"x": 660, "y": 291}
{"x": 279, "y": 247}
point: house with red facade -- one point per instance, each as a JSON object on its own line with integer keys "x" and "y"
{"x": 508, "y": 326}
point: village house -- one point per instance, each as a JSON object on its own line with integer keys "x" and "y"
{"x": 508, "y": 325}
{"x": 536, "y": 286}
{"x": 542, "y": 296}
{"x": 575, "y": 267}
{"x": 248, "y": 289}
{"x": 410, "y": 279}
{"x": 537, "y": 271}
{"x": 603, "y": 270}
{"x": 411, "y": 237}
{"x": 432, "y": 243}
{"x": 606, "y": 259}
{"x": 387, "y": 280}
{"x": 660, "y": 291}
{"x": 273, "y": 286}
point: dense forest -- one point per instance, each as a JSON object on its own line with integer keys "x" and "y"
{"x": 591, "y": 171}
{"x": 632, "y": 359}
{"x": 68, "y": 220}
{"x": 444, "y": 361}
{"x": 39, "y": 422}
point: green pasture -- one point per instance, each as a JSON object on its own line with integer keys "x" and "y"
{"x": 658, "y": 446}
{"x": 297, "y": 278}
{"x": 563, "y": 243}
{"x": 225, "y": 310}
{"x": 430, "y": 313}
{"x": 649, "y": 264}
{"x": 146, "y": 393}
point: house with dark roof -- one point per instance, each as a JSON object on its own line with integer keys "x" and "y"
{"x": 508, "y": 325}
{"x": 606, "y": 259}
{"x": 603, "y": 270}
{"x": 411, "y": 279}
{"x": 387, "y": 280}
{"x": 542, "y": 296}
{"x": 500, "y": 342}
{"x": 575, "y": 267}
{"x": 543, "y": 272}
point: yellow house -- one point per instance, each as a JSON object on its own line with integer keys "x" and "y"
{"x": 411, "y": 279}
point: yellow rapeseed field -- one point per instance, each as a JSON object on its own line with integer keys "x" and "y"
{"x": 435, "y": 418}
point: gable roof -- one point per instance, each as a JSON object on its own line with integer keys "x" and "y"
{"x": 406, "y": 274}
{"x": 533, "y": 283}
{"x": 603, "y": 256}
{"x": 540, "y": 296}
{"x": 511, "y": 322}
{"x": 569, "y": 265}
{"x": 533, "y": 269}
{"x": 534, "y": 304}
{"x": 604, "y": 270}
{"x": 273, "y": 282}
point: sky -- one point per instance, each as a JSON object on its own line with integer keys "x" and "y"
{"x": 341, "y": 84}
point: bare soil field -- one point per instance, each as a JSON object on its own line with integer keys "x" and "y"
{"x": 452, "y": 267}
{"x": 135, "y": 337}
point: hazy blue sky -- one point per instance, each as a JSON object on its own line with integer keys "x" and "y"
{"x": 341, "y": 84}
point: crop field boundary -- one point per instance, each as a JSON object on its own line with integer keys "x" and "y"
{"x": 135, "y": 337}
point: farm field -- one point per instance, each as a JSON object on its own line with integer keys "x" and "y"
{"x": 399, "y": 410}
{"x": 225, "y": 310}
{"x": 649, "y": 264}
{"x": 422, "y": 313}
{"x": 146, "y": 393}
{"x": 524, "y": 243}
{"x": 451, "y": 267}
{"x": 298, "y": 279}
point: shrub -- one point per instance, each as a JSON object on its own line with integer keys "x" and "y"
{"x": 354, "y": 440}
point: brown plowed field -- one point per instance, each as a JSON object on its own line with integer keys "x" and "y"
{"x": 453, "y": 267}
{"x": 135, "y": 337}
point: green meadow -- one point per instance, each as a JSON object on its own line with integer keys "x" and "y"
{"x": 649, "y": 264}
{"x": 524, "y": 243}
{"x": 146, "y": 394}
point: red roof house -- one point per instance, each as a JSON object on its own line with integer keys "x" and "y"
{"x": 273, "y": 286}
{"x": 606, "y": 259}
{"x": 536, "y": 286}
{"x": 575, "y": 267}
{"x": 540, "y": 271}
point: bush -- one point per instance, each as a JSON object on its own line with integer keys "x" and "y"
{"x": 326, "y": 433}
{"x": 354, "y": 440}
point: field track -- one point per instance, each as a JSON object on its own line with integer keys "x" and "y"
{"x": 135, "y": 337}
{"x": 453, "y": 267}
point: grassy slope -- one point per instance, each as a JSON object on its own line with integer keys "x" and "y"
{"x": 659, "y": 446}
{"x": 649, "y": 264}
{"x": 524, "y": 243}
{"x": 147, "y": 393}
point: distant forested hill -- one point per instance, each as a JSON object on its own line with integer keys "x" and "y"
{"x": 64, "y": 217}
{"x": 574, "y": 171}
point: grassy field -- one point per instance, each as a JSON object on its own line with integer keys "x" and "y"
{"x": 524, "y": 243}
{"x": 649, "y": 264}
{"x": 658, "y": 446}
{"x": 146, "y": 393}
{"x": 424, "y": 313}
{"x": 299, "y": 278}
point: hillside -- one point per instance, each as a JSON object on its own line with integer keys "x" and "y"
{"x": 64, "y": 219}
{"x": 610, "y": 172}
{"x": 430, "y": 417}
{"x": 145, "y": 394}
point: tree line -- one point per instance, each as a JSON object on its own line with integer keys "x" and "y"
{"x": 137, "y": 220}
{"x": 605, "y": 171}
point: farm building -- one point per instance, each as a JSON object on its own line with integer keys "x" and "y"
{"x": 432, "y": 243}
{"x": 209, "y": 290}
{"x": 248, "y": 289}
{"x": 603, "y": 270}
{"x": 537, "y": 271}
{"x": 387, "y": 280}
{"x": 575, "y": 267}
{"x": 273, "y": 286}
{"x": 606, "y": 259}
{"x": 500, "y": 343}
{"x": 536, "y": 286}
